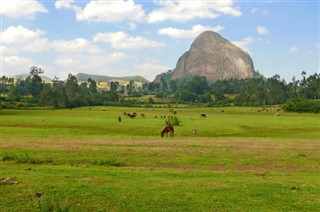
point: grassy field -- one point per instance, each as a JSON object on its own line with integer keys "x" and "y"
{"x": 85, "y": 160}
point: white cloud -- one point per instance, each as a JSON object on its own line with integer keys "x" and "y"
{"x": 18, "y": 8}
{"x": 97, "y": 64}
{"x": 244, "y": 43}
{"x": 132, "y": 26}
{"x": 293, "y": 49}
{"x": 65, "y": 4}
{"x": 91, "y": 61}
{"x": 185, "y": 33}
{"x": 105, "y": 11}
{"x": 20, "y": 34}
{"x": 75, "y": 45}
{"x": 261, "y": 12}
{"x": 121, "y": 40}
{"x": 21, "y": 64}
{"x": 6, "y": 51}
{"x": 183, "y": 11}
{"x": 261, "y": 30}
{"x": 149, "y": 70}
{"x": 34, "y": 41}
{"x": 24, "y": 39}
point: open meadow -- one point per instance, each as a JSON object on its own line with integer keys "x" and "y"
{"x": 86, "y": 160}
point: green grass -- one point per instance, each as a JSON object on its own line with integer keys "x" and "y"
{"x": 85, "y": 160}
{"x": 97, "y": 123}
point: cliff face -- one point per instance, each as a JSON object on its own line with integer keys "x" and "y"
{"x": 214, "y": 57}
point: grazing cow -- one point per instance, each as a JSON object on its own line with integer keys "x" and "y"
{"x": 142, "y": 115}
{"x": 277, "y": 114}
{"x": 168, "y": 129}
{"x": 203, "y": 115}
{"x": 135, "y": 114}
{"x": 131, "y": 116}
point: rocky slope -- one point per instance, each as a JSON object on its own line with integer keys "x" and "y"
{"x": 215, "y": 57}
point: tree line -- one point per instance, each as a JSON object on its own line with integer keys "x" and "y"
{"x": 257, "y": 91}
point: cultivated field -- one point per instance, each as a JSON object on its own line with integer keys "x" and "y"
{"x": 85, "y": 160}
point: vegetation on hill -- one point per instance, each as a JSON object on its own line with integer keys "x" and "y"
{"x": 81, "y": 77}
{"x": 257, "y": 91}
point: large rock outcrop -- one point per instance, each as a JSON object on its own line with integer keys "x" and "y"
{"x": 214, "y": 57}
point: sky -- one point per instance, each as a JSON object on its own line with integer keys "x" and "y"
{"x": 142, "y": 37}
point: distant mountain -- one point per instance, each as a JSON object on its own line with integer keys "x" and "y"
{"x": 214, "y": 57}
{"x": 101, "y": 78}
{"x": 24, "y": 76}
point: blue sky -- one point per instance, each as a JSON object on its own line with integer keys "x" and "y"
{"x": 125, "y": 38}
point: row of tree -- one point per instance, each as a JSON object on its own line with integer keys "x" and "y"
{"x": 58, "y": 94}
{"x": 70, "y": 93}
{"x": 251, "y": 91}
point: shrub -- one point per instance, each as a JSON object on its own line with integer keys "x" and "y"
{"x": 302, "y": 106}
{"x": 173, "y": 122}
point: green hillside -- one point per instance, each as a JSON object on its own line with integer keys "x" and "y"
{"x": 101, "y": 78}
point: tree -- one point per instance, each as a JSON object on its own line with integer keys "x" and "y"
{"x": 72, "y": 86}
{"x": 35, "y": 85}
{"x": 59, "y": 95}
{"x": 198, "y": 85}
{"x": 114, "y": 86}
{"x": 164, "y": 85}
{"x": 111, "y": 96}
{"x": 72, "y": 91}
{"x": 276, "y": 90}
{"x": 92, "y": 86}
{"x": 35, "y": 71}
{"x": 173, "y": 86}
{"x": 130, "y": 87}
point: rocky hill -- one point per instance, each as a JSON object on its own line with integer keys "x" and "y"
{"x": 214, "y": 57}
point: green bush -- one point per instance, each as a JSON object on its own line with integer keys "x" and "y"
{"x": 173, "y": 121}
{"x": 302, "y": 106}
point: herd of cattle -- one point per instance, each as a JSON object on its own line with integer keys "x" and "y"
{"x": 169, "y": 129}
